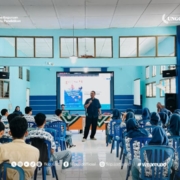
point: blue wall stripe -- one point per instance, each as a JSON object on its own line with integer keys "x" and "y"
{"x": 47, "y": 104}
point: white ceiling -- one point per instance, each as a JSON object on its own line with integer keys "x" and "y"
{"x": 62, "y": 14}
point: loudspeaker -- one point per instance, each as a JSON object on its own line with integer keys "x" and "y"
{"x": 4, "y": 75}
{"x": 169, "y": 73}
{"x": 171, "y": 101}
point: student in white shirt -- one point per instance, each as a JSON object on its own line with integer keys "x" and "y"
{"x": 2, "y": 128}
{"x": 28, "y": 114}
{"x": 57, "y": 117}
{"x": 4, "y": 113}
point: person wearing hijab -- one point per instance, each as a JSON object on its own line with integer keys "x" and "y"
{"x": 174, "y": 127}
{"x": 126, "y": 117}
{"x": 130, "y": 110}
{"x": 155, "y": 120}
{"x": 146, "y": 115}
{"x": 164, "y": 119}
{"x": 177, "y": 111}
{"x": 133, "y": 130}
{"x": 17, "y": 111}
{"x": 116, "y": 115}
{"x": 159, "y": 137}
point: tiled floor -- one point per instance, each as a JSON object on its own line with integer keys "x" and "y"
{"x": 93, "y": 152}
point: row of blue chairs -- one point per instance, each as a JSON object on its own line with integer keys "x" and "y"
{"x": 118, "y": 137}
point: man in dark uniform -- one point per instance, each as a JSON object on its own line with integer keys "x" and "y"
{"x": 92, "y": 106}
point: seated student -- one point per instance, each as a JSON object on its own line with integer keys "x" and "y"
{"x": 126, "y": 117}
{"x": 159, "y": 137}
{"x": 18, "y": 150}
{"x": 64, "y": 112}
{"x": 133, "y": 130}
{"x": 57, "y": 117}
{"x": 177, "y": 111}
{"x": 10, "y": 117}
{"x": 146, "y": 115}
{"x": 17, "y": 111}
{"x": 155, "y": 120}
{"x": 28, "y": 114}
{"x": 174, "y": 127}
{"x": 161, "y": 108}
{"x": 4, "y": 113}
{"x": 116, "y": 115}
{"x": 2, "y": 128}
{"x": 39, "y": 132}
{"x": 164, "y": 119}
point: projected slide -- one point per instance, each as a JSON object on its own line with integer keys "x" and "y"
{"x": 137, "y": 95}
{"x": 74, "y": 88}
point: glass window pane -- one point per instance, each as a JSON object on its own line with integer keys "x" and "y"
{"x": 6, "y": 89}
{"x": 7, "y": 47}
{"x": 167, "y": 86}
{"x": 43, "y": 47}
{"x": 171, "y": 67}
{"x": 25, "y": 47}
{"x": 67, "y": 47}
{"x": 147, "y": 72}
{"x": 162, "y": 91}
{"x": 128, "y": 47}
{"x": 147, "y": 90}
{"x": 86, "y": 47}
{"x": 154, "y": 71}
{"x": 173, "y": 85}
{"x": 166, "y": 46}
{"x": 163, "y": 68}
{"x": 154, "y": 89}
{"x": 103, "y": 47}
{"x": 147, "y": 46}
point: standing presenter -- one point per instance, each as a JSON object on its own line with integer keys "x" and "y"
{"x": 92, "y": 106}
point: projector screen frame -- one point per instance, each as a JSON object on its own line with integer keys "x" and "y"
{"x": 140, "y": 93}
{"x": 58, "y": 101}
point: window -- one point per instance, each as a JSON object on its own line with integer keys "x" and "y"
{"x": 168, "y": 86}
{"x": 128, "y": 47}
{"x": 20, "y": 72}
{"x": 163, "y": 68}
{"x": 166, "y": 46}
{"x": 25, "y": 47}
{"x": 7, "y": 47}
{"x": 4, "y": 68}
{"x": 4, "y": 89}
{"x": 86, "y": 47}
{"x": 151, "y": 90}
{"x": 44, "y": 47}
{"x": 147, "y": 72}
{"x": 154, "y": 71}
{"x": 171, "y": 67}
{"x": 147, "y": 46}
{"x": 27, "y": 75}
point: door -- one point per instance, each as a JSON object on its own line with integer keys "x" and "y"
{"x": 27, "y": 96}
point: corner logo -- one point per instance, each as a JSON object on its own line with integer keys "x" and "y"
{"x": 170, "y": 19}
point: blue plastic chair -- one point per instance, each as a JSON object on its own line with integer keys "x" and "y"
{"x": 158, "y": 153}
{"x": 177, "y": 173}
{"x": 18, "y": 169}
{"x": 31, "y": 124}
{"x": 174, "y": 141}
{"x": 142, "y": 141}
{"x": 61, "y": 133}
{"x": 49, "y": 164}
{"x": 53, "y": 132}
{"x": 5, "y": 140}
{"x": 111, "y": 130}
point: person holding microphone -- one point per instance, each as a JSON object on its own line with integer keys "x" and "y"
{"x": 92, "y": 106}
